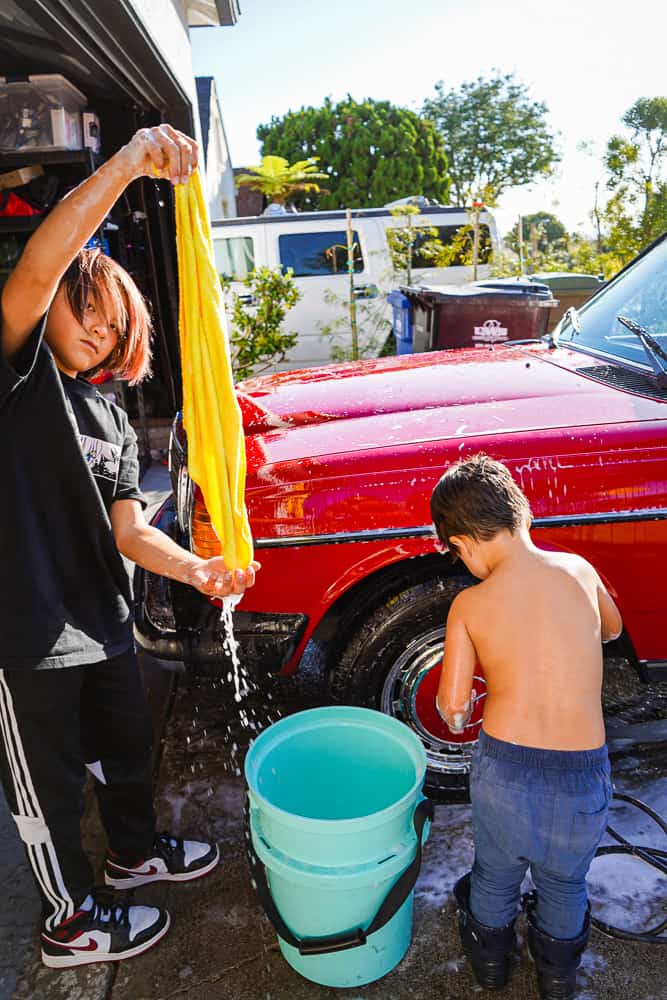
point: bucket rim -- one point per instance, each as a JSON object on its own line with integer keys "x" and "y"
{"x": 376, "y": 817}
{"x": 339, "y": 876}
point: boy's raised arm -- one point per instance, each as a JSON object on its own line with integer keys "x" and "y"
{"x": 34, "y": 281}
{"x": 454, "y": 698}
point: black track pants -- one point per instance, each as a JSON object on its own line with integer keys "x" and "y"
{"x": 54, "y": 724}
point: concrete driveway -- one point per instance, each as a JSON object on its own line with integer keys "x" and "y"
{"x": 221, "y": 946}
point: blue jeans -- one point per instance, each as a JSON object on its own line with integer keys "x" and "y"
{"x": 546, "y": 809}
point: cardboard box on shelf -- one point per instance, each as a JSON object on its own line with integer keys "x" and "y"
{"x": 15, "y": 178}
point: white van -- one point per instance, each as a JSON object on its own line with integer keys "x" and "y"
{"x": 313, "y": 245}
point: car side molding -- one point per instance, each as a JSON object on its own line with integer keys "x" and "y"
{"x": 426, "y": 530}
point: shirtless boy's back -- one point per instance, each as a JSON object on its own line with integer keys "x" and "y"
{"x": 536, "y": 624}
{"x": 540, "y": 785}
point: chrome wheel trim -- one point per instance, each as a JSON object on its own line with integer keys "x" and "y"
{"x": 399, "y": 693}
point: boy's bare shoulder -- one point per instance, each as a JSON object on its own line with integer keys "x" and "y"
{"x": 467, "y": 600}
{"x": 573, "y": 564}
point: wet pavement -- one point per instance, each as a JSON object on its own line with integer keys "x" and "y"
{"x": 221, "y": 946}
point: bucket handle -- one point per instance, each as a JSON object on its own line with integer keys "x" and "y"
{"x": 390, "y": 905}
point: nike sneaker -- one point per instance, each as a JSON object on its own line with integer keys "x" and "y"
{"x": 101, "y": 931}
{"x": 172, "y": 859}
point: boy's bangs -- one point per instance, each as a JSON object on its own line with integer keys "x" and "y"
{"x": 110, "y": 301}
{"x": 89, "y": 277}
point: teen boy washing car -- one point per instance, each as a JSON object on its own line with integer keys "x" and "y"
{"x": 70, "y": 691}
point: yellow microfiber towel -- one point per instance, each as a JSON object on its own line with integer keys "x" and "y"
{"x": 211, "y": 414}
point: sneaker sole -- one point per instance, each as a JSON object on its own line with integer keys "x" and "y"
{"x": 134, "y": 882}
{"x": 71, "y": 961}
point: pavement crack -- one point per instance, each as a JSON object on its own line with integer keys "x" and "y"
{"x": 215, "y": 977}
{"x": 111, "y": 981}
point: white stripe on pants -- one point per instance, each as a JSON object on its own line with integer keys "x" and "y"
{"x": 30, "y": 820}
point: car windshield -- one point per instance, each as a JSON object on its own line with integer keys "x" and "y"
{"x": 639, "y": 295}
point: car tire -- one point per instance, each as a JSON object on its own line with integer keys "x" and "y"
{"x": 391, "y": 663}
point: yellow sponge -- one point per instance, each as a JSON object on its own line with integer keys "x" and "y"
{"x": 211, "y": 414}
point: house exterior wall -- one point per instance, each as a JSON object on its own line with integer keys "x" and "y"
{"x": 220, "y": 187}
{"x": 248, "y": 201}
{"x": 167, "y": 23}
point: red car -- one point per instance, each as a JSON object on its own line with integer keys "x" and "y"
{"x": 341, "y": 464}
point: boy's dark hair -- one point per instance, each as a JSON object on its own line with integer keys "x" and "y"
{"x": 477, "y": 497}
{"x": 94, "y": 275}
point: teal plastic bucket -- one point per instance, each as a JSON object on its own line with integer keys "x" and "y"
{"x": 333, "y": 794}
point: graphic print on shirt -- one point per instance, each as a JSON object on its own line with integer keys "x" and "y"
{"x": 103, "y": 458}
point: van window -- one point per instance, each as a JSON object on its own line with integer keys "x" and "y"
{"x": 446, "y": 235}
{"x": 234, "y": 256}
{"x": 310, "y": 254}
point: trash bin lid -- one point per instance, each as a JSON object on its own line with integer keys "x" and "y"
{"x": 568, "y": 281}
{"x": 396, "y": 298}
{"x": 501, "y": 287}
{"x": 517, "y": 286}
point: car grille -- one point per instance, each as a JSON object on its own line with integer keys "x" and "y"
{"x": 621, "y": 378}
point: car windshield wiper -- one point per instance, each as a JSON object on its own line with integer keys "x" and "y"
{"x": 654, "y": 352}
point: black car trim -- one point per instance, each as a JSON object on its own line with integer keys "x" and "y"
{"x": 653, "y": 670}
{"x": 424, "y": 531}
{"x": 267, "y": 640}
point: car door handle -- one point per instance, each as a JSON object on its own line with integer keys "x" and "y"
{"x": 365, "y": 291}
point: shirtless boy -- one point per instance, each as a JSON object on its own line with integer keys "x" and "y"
{"x": 539, "y": 784}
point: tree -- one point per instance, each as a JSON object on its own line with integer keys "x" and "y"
{"x": 637, "y": 209}
{"x": 495, "y": 136}
{"x": 372, "y": 152}
{"x": 256, "y": 337}
{"x": 278, "y": 181}
{"x": 550, "y": 231}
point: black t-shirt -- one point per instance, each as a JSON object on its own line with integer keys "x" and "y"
{"x": 67, "y": 454}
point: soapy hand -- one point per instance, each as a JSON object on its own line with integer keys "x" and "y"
{"x": 456, "y": 722}
{"x": 213, "y": 578}
{"x": 161, "y": 151}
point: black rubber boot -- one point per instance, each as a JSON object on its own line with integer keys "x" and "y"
{"x": 489, "y": 949}
{"x": 556, "y": 959}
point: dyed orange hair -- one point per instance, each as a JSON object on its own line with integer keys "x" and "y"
{"x": 93, "y": 275}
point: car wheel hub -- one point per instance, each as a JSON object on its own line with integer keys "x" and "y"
{"x": 409, "y": 694}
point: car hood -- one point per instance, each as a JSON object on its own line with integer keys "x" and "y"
{"x": 388, "y": 402}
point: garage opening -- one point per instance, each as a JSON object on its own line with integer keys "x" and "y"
{"x": 59, "y": 60}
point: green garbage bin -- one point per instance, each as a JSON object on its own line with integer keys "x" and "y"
{"x": 569, "y": 288}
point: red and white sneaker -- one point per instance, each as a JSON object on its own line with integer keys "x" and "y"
{"x": 172, "y": 860}
{"x": 101, "y": 931}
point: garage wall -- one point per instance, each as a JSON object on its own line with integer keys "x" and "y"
{"x": 166, "y": 23}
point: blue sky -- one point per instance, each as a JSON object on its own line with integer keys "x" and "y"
{"x": 587, "y": 60}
